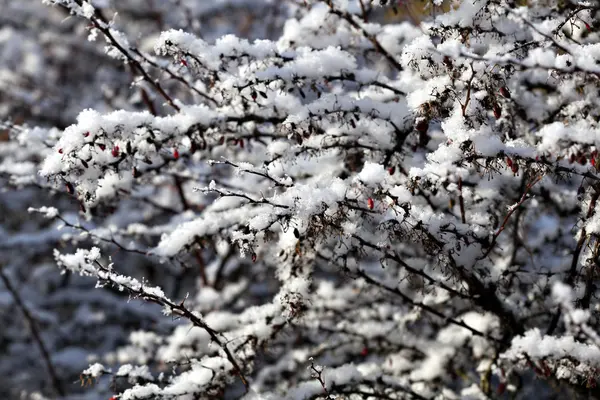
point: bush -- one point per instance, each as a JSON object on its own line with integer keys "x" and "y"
{"x": 299, "y": 199}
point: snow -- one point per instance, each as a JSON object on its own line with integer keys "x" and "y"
{"x": 372, "y": 174}
{"x": 95, "y": 370}
{"x": 49, "y": 212}
{"x": 561, "y": 293}
{"x": 539, "y": 346}
{"x": 312, "y": 233}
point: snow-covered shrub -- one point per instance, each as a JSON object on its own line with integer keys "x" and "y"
{"x": 300, "y": 199}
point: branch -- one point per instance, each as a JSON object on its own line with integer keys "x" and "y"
{"x": 34, "y": 332}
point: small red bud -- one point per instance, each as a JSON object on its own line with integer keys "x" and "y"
{"x": 501, "y": 388}
{"x": 60, "y": 151}
{"x": 241, "y": 143}
{"x": 497, "y": 111}
{"x": 184, "y": 62}
{"x": 370, "y": 203}
{"x": 547, "y": 370}
{"x": 253, "y": 257}
{"x": 254, "y": 95}
{"x": 70, "y": 188}
{"x": 509, "y": 162}
{"x": 587, "y": 26}
{"x": 222, "y": 140}
{"x": 102, "y": 146}
{"x": 86, "y": 134}
{"x": 364, "y": 352}
{"x": 176, "y": 153}
{"x": 447, "y": 62}
{"x": 115, "y": 151}
{"x": 391, "y": 170}
{"x": 422, "y": 125}
{"x": 504, "y": 92}
{"x": 515, "y": 168}
{"x": 593, "y": 161}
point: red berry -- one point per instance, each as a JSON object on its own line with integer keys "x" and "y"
{"x": 447, "y": 62}
{"x": 364, "y": 352}
{"x": 115, "y": 151}
{"x": 176, "y": 154}
{"x": 60, "y": 151}
{"x": 86, "y": 134}
{"x": 504, "y": 92}
{"x": 509, "y": 162}
{"x": 547, "y": 370}
{"x": 591, "y": 382}
{"x": 391, "y": 170}
{"x": 501, "y": 388}
{"x": 253, "y": 257}
{"x": 497, "y": 111}
{"x": 422, "y": 125}
{"x": 184, "y": 62}
{"x": 587, "y": 26}
{"x": 370, "y": 203}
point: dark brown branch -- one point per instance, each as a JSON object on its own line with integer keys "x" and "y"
{"x": 378, "y": 47}
{"x": 34, "y": 332}
{"x": 181, "y": 310}
{"x": 575, "y": 259}
{"x": 425, "y": 307}
{"x": 512, "y": 209}
{"x": 461, "y": 202}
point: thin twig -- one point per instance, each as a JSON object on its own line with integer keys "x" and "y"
{"x": 461, "y": 202}
{"x": 34, "y": 332}
{"x": 511, "y": 210}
